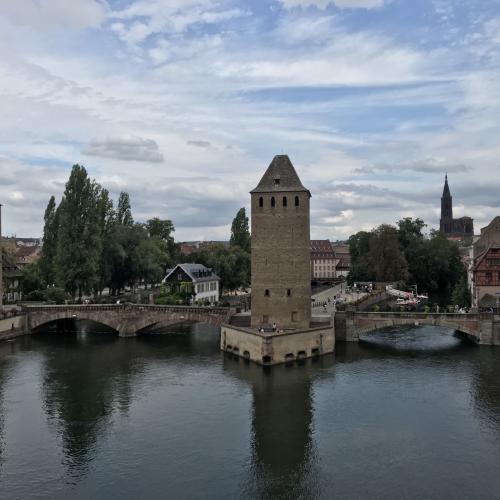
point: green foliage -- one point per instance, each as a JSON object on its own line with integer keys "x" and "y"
{"x": 240, "y": 234}
{"x": 32, "y": 279}
{"x": 408, "y": 256}
{"x": 78, "y": 242}
{"x": 55, "y": 294}
{"x": 124, "y": 211}
{"x": 461, "y": 293}
{"x": 49, "y": 242}
{"x": 88, "y": 246}
{"x": 231, "y": 264}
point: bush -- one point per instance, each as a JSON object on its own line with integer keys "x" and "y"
{"x": 36, "y": 295}
{"x": 57, "y": 295}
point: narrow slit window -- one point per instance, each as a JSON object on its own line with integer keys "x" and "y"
{"x": 285, "y": 201}
{"x": 296, "y": 201}
{"x": 273, "y": 202}
{"x": 261, "y": 202}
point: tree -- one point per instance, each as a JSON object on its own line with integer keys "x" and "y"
{"x": 78, "y": 241}
{"x": 124, "y": 211}
{"x": 410, "y": 231}
{"x": 49, "y": 243}
{"x": 385, "y": 258}
{"x": 231, "y": 264}
{"x": 461, "y": 293}
{"x": 240, "y": 234}
{"x": 106, "y": 220}
{"x": 359, "y": 246}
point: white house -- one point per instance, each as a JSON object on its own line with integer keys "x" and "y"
{"x": 205, "y": 283}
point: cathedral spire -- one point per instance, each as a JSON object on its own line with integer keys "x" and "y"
{"x": 446, "y": 190}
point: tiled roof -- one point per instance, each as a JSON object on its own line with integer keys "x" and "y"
{"x": 280, "y": 176}
{"x": 197, "y": 272}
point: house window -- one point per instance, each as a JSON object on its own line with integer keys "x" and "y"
{"x": 488, "y": 277}
{"x": 296, "y": 201}
{"x": 266, "y": 293}
{"x": 285, "y": 201}
{"x": 261, "y": 202}
{"x": 273, "y": 201}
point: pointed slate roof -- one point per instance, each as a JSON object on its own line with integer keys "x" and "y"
{"x": 446, "y": 190}
{"x": 280, "y": 176}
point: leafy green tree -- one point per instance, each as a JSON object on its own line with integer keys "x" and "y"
{"x": 78, "y": 241}
{"x": 461, "y": 293}
{"x": 385, "y": 258}
{"x": 240, "y": 233}
{"x": 231, "y": 264}
{"x": 106, "y": 220}
{"x": 124, "y": 211}
{"x": 49, "y": 243}
{"x": 359, "y": 246}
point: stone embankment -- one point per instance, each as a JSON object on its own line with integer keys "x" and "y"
{"x": 12, "y": 327}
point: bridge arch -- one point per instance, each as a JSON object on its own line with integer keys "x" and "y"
{"x": 127, "y": 319}
{"x": 365, "y": 323}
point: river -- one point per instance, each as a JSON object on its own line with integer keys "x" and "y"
{"x": 407, "y": 413}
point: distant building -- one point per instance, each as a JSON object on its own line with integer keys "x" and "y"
{"x": 203, "y": 283}
{"x": 27, "y": 255}
{"x": 484, "y": 272}
{"x": 343, "y": 257}
{"x": 323, "y": 260}
{"x": 456, "y": 229}
{"x": 12, "y": 279}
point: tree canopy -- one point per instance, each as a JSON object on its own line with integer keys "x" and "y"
{"x": 405, "y": 254}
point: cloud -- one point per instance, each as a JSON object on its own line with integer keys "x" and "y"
{"x": 341, "y": 4}
{"x": 141, "y": 19}
{"x": 47, "y": 14}
{"x": 125, "y": 148}
{"x": 199, "y": 144}
{"x": 428, "y": 165}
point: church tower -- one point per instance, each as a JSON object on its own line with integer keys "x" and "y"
{"x": 446, "y": 223}
{"x": 281, "y": 274}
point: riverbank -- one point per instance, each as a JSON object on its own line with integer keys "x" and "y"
{"x": 12, "y": 327}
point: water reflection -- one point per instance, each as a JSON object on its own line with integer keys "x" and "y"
{"x": 86, "y": 377}
{"x": 284, "y": 461}
{"x": 7, "y": 365}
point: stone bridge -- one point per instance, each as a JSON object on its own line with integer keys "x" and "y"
{"x": 483, "y": 328}
{"x": 126, "y": 319}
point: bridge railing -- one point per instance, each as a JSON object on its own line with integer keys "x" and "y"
{"x": 409, "y": 314}
{"x": 129, "y": 307}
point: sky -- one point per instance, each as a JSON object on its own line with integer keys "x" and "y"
{"x": 184, "y": 103}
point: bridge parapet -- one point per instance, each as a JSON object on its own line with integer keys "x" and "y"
{"x": 127, "y": 319}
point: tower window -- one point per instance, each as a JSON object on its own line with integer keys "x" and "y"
{"x": 289, "y": 292}
{"x": 285, "y": 201}
{"x": 276, "y": 181}
{"x": 273, "y": 201}
{"x": 296, "y": 201}
{"x": 266, "y": 293}
{"x": 261, "y": 202}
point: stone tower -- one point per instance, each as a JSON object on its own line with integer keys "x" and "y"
{"x": 281, "y": 273}
{"x": 446, "y": 223}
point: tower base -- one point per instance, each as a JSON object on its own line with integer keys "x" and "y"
{"x": 273, "y": 348}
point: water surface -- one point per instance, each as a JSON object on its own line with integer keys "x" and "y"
{"x": 407, "y": 413}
